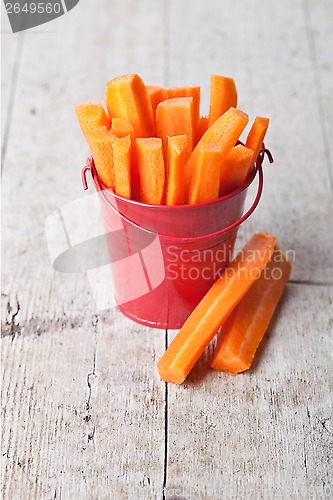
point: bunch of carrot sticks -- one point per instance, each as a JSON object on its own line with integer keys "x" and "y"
{"x": 151, "y": 144}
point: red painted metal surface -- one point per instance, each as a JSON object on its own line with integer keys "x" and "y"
{"x": 182, "y": 249}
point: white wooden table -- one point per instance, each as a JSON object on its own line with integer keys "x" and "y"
{"x": 84, "y": 413}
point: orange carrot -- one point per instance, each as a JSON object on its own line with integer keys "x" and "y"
{"x": 122, "y": 166}
{"x": 156, "y": 95}
{"x": 223, "y": 95}
{"x": 174, "y": 187}
{"x": 175, "y": 117}
{"x": 121, "y": 128}
{"x": 90, "y": 117}
{"x": 194, "y": 92}
{"x": 206, "y": 179}
{"x": 256, "y": 136}
{"x": 127, "y": 97}
{"x": 234, "y": 169}
{"x": 201, "y": 326}
{"x": 244, "y": 329}
{"x": 101, "y": 141}
{"x": 151, "y": 169}
{"x": 200, "y": 129}
{"x": 224, "y": 132}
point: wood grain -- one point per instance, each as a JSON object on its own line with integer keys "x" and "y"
{"x": 268, "y": 432}
{"x": 275, "y": 77}
{"x": 84, "y": 412}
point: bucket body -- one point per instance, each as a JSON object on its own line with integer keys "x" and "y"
{"x": 169, "y": 256}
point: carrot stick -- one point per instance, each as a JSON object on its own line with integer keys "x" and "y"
{"x": 224, "y": 132}
{"x": 127, "y": 97}
{"x": 174, "y": 189}
{"x": 256, "y": 136}
{"x": 175, "y": 117}
{"x": 122, "y": 166}
{"x": 194, "y": 92}
{"x": 101, "y": 141}
{"x": 156, "y": 95}
{"x": 201, "y": 326}
{"x": 151, "y": 169}
{"x": 244, "y": 329}
{"x": 122, "y": 128}
{"x": 206, "y": 180}
{"x": 223, "y": 95}
{"x": 234, "y": 169}
{"x": 200, "y": 129}
{"x": 91, "y": 116}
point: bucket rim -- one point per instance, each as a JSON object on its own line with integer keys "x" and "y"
{"x": 90, "y": 165}
{"x": 257, "y": 170}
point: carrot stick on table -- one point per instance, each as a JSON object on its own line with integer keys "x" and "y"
{"x": 203, "y": 323}
{"x": 234, "y": 169}
{"x": 175, "y": 117}
{"x": 156, "y": 95}
{"x": 122, "y": 166}
{"x": 171, "y": 92}
{"x": 241, "y": 334}
{"x": 149, "y": 153}
{"x": 223, "y": 95}
{"x": 174, "y": 186}
{"x": 224, "y": 132}
{"x": 206, "y": 179}
{"x": 127, "y": 97}
{"x": 256, "y": 136}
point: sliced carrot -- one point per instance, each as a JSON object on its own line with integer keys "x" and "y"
{"x": 174, "y": 187}
{"x": 214, "y": 308}
{"x": 156, "y": 95}
{"x": 234, "y": 169}
{"x": 224, "y": 132}
{"x": 149, "y": 154}
{"x": 127, "y": 97}
{"x": 206, "y": 180}
{"x": 194, "y": 92}
{"x": 91, "y": 116}
{"x": 223, "y": 95}
{"x": 256, "y": 136}
{"x": 101, "y": 141}
{"x": 122, "y": 166}
{"x": 244, "y": 329}
{"x": 200, "y": 129}
{"x": 175, "y": 117}
{"x": 122, "y": 128}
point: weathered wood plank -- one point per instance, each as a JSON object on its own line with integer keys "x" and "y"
{"x": 265, "y": 433}
{"x": 83, "y": 412}
{"x": 11, "y": 50}
{"x": 45, "y": 157}
{"x": 261, "y": 434}
{"x": 272, "y": 68}
{"x": 318, "y": 17}
{"x": 84, "y": 408}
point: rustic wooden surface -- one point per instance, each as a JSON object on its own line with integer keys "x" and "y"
{"x": 84, "y": 413}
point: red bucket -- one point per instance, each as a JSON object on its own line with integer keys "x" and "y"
{"x": 169, "y": 256}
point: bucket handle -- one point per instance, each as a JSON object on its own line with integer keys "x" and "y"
{"x": 90, "y": 166}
